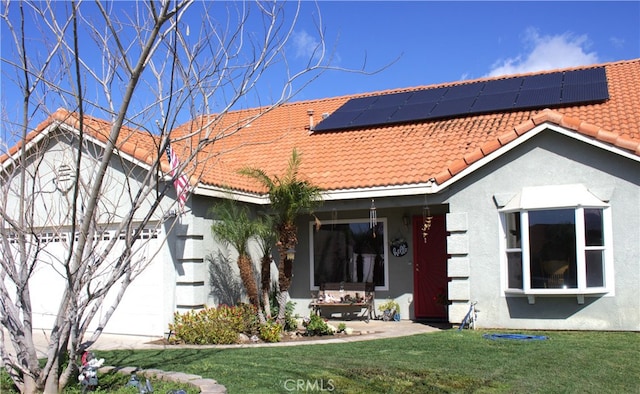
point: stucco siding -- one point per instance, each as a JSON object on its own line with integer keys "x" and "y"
{"x": 552, "y": 159}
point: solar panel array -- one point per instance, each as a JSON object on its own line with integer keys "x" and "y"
{"x": 526, "y": 92}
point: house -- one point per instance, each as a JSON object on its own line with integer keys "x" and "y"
{"x": 519, "y": 192}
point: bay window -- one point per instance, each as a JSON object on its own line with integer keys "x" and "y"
{"x": 556, "y": 250}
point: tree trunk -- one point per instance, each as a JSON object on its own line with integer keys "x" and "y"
{"x": 288, "y": 239}
{"x": 265, "y": 284}
{"x": 283, "y": 298}
{"x": 250, "y": 285}
{"x": 266, "y": 301}
{"x": 30, "y": 386}
{"x": 51, "y": 384}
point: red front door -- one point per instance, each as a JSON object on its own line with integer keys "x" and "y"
{"x": 430, "y": 269}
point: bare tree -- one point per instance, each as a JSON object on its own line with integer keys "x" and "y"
{"x": 143, "y": 67}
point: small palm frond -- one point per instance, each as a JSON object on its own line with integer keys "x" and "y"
{"x": 266, "y": 234}
{"x": 233, "y": 226}
{"x": 293, "y": 168}
{"x": 258, "y": 175}
{"x": 289, "y": 196}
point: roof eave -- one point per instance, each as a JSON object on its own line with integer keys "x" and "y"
{"x": 547, "y": 125}
{"x": 219, "y": 192}
{"x": 414, "y": 189}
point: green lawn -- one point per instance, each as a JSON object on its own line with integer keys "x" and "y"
{"x": 441, "y": 362}
{"x": 447, "y": 361}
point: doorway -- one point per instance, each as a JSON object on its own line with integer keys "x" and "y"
{"x": 430, "y": 281}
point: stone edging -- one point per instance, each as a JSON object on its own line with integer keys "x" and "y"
{"x": 206, "y": 386}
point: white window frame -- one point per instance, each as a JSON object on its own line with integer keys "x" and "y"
{"x": 542, "y": 199}
{"x": 343, "y": 221}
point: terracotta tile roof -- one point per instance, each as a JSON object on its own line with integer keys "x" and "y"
{"x": 404, "y": 154}
{"x": 140, "y": 145}
{"x": 374, "y": 157}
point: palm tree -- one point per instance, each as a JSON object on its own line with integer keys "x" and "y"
{"x": 289, "y": 197}
{"x": 266, "y": 237}
{"x": 234, "y": 227}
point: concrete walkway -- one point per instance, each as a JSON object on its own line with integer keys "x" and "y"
{"x": 362, "y": 331}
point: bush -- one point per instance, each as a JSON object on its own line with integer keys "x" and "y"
{"x": 270, "y": 332}
{"x": 317, "y": 326}
{"x": 290, "y": 323}
{"x": 219, "y": 325}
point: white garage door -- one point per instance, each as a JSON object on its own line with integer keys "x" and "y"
{"x": 140, "y": 312}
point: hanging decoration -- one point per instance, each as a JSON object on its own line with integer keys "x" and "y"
{"x": 373, "y": 217}
{"x": 426, "y": 220}
{"x": 399, "y": 247}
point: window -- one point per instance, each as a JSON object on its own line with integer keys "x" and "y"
{"x": 47, "y": 237}
{"x": 557, "y": 250}
{"x": 349, "y": 251}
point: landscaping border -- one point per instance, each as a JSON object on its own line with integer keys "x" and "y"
{"x": 206, "y": 386}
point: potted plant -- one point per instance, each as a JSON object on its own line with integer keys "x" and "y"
{"x": 390, "y": 310}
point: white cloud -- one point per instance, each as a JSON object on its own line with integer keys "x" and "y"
{"x": 305, "y": 46}
{"x": 547, "y": 53}
{"x": 617, "y": 42}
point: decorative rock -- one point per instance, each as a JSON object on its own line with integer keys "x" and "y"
{"x": 206, "y": 386}
{"x": 152, "y": 372}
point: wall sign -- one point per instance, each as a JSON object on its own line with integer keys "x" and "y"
{"x": 399, "y": 247}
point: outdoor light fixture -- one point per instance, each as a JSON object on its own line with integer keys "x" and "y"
{"x": 291, "y": 254}
{"x": 170, "y": 214}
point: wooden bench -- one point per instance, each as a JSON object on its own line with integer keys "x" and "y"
{"x": 345, "y": 296}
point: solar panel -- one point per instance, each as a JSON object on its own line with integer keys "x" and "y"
{"x": 359, "y": 104}
{"x": 533, "y": 91}
{"x": 426, "y": 96}
{"x": 539, "y": 97}
{"x": 502, "y": 85}
{"x": 542, "y": 81}
{"x": 446, "y": 108}
{"x": 584, "y": 93}
{"x": 418, "y": 105}
{"x": 337, "y": 120}
{"x": 459, "y": 91}
{"x": 381, "y": 110}
{"x": 489, "y": 102}
{"x": 589, "y": 75}
{"x": 391, "y": 100}
{"x": 377, "y": 116}
{"x": 412, "y": 112}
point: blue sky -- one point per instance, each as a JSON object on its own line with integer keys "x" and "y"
{"x": 416, "y": 43}
{"x": 437, "y": 42}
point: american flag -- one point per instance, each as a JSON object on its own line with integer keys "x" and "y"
{"x": 180, "y": 182}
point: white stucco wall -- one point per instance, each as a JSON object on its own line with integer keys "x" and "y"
{"x": 148, "y": 304}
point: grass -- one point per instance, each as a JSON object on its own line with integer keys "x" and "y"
{"x": 443, "y": 362}
{"x": 112, "y": 383}
{"x": 448, "y": 361}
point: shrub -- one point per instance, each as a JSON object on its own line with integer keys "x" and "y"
{"x": 219, "y": 325}
{"x": 270, "y": 332}
{"x": 290, "y": 323}
{"x": 317, "y": 326}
